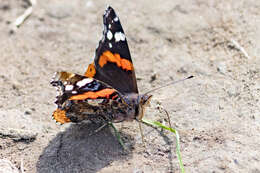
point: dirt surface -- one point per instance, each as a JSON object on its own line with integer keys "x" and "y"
{"x": 217, "y": 113}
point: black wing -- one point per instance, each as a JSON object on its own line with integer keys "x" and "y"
{"x": 113, "y": 64}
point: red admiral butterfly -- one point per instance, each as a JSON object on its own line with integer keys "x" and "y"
{"x": 108, "y": 91}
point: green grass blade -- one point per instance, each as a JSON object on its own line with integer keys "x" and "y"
{"x": 158, "y": 124}
{"x": 118, "y": 136}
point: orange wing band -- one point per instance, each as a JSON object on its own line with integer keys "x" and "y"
{"x": 91, "y": 71}
{"x": 108, "y": 56}
{"x": 105, "y": 93}
{"x": 60, "y": 116}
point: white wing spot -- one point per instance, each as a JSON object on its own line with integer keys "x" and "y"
{"x": 109, "y": 35}
{"x": 84, "y": 82}
{"x": 109, "y": 26}
{"x": 122, "y": 36}
{"x": 110, "y": 45}
{"x": 116, "y": 19}
{"x": 119, "y": 36}
{"x": 74, "y": 92}
{"x": 69, "y": 87}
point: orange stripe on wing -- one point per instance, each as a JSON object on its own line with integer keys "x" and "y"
{"x": 60, "y": 116}
{"x": 108, "y": 56}
{"x": 105, "y": 93}
{"x": 91, "y": 71}
{"x": 114, "y": 97}
{"x": 126, "y": 65}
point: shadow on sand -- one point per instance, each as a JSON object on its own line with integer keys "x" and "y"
{"x": 75, "y": 150}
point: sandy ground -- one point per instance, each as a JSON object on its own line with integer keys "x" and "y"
{"x": 217, "y": 113}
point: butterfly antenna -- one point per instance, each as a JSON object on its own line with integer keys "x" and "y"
{"x": 171, "y": 83}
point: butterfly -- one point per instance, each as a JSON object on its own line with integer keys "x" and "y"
{"x": 108, "y": 91}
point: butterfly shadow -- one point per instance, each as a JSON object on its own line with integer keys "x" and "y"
{"x": 78, "y": 150}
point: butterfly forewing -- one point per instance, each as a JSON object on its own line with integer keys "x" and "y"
{"x": 113, "y": 64}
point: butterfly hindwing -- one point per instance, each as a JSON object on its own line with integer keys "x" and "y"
{"x": 81, "y": 98}
{"x": 113, "y": 64}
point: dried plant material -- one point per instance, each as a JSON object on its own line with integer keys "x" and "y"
{"x": 21, "y": 19}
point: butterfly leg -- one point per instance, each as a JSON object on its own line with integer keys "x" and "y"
{"x": 167, "y": 114}
{"x": 141, "y": 131}
{"x": 98, "y": 129}
{"x": 168, "y": 117}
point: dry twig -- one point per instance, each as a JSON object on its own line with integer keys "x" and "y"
{"x": 240, "y": 48}
{"x": 21, "y": 19}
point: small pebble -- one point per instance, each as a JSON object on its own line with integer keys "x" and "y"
{"x": 222, "y": 68}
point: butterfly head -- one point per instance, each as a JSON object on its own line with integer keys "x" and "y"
{"x": 143, "y": 101}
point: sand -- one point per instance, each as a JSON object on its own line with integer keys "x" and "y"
{"x": 216, "y": 113}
